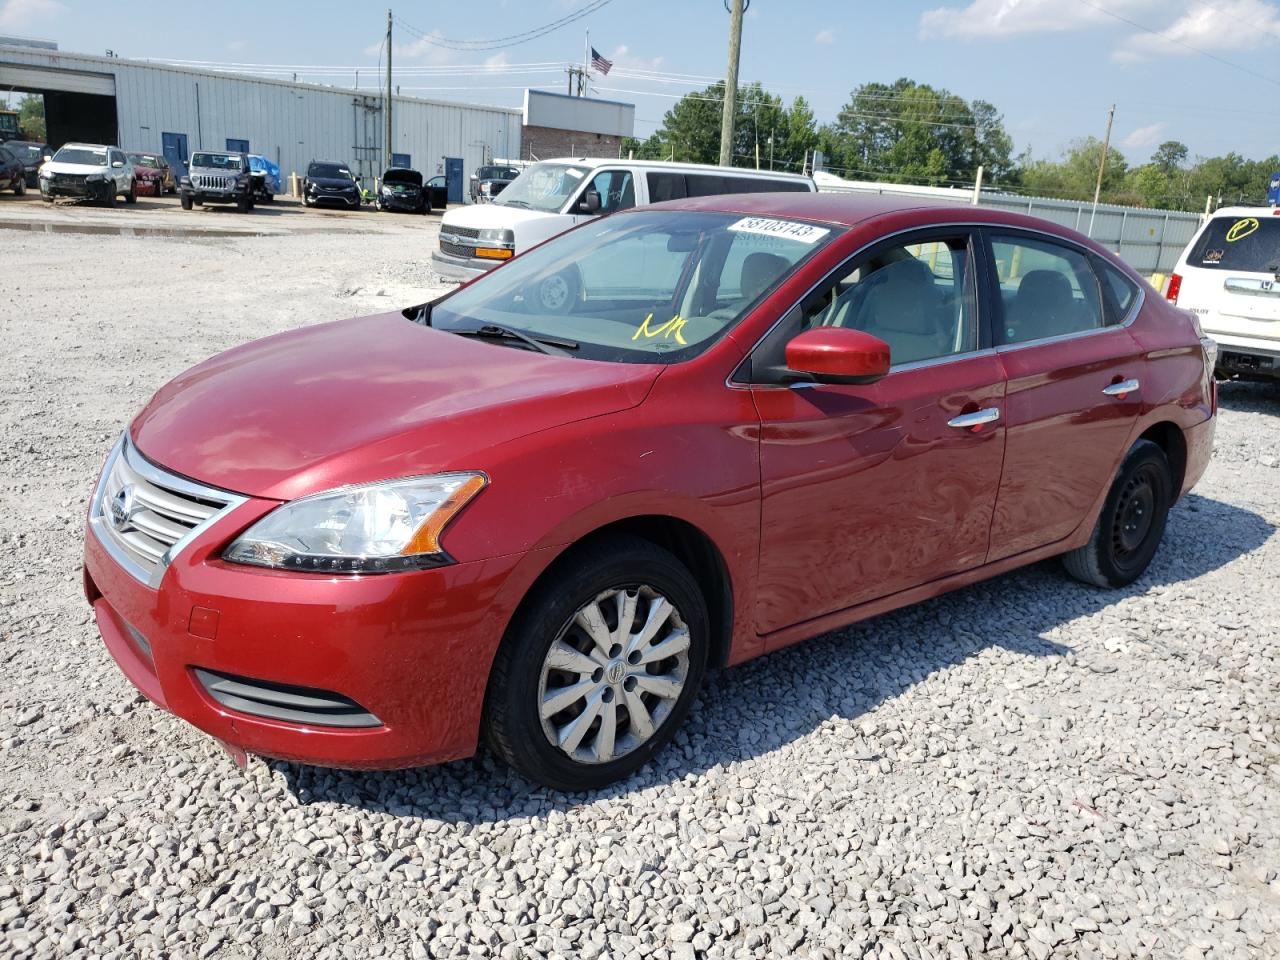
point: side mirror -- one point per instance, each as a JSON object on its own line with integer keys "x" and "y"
{"x": 117, "y": 165}
{"x": 590, "y": 202}
{"x": 838, "y": 355}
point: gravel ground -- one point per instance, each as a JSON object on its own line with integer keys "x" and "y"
{"x": 1027, "y": 767}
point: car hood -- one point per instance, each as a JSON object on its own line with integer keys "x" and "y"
{"x": 484, "y": 215}
{"x": 61, "y": 166}
{"x": 364, "y": 400}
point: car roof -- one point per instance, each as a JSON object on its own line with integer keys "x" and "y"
{"x": 1246, "y": 212}
{"x": 594, "y": 162}
{"x": 92, "y": 146}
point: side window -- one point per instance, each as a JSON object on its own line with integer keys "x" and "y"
{"x": 665, "y": 186}
{"x": 616, "y": 188}
{"x": 1123, "y": 291}
{"x": 1046, "y": 290}
{"x": 917, "y": 297}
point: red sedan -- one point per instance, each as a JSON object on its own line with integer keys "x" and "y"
{"x": 539, "y": 508}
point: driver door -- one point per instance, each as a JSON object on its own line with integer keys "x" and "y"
{"x": 616, "y": 190}
{"x": 869, "y": 490}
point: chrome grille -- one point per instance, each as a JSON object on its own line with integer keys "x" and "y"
{"x": 206, "y": 182}
{"x": 69, "y": 179}
{"x": 144, "y": 515}
{"x": 471, "y": 233}
{"x": 456, "y": 249}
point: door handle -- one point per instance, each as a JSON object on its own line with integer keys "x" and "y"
{"x": 971, "y": 421}
{"x": 1121, "y": 389}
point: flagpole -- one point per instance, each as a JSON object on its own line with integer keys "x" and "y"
{"x": 586, "y": 60}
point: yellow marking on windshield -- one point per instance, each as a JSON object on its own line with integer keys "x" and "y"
{"x": 1242, "y": 228}
{"x": 671, "y": 329}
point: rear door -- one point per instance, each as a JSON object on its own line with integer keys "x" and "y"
{"x": 1074, "y": 387}
{"x": 870, "y": 490}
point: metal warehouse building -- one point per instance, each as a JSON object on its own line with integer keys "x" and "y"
{"x": 155, "y": 107}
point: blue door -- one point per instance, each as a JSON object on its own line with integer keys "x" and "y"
{"x": 401, "y": 160}
{"x": 237, "y": 146}
{"x": 174, "y": 146}
{"x": 453, "y": 178}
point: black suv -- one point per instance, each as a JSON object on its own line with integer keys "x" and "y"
{"x": 330, "y": 182}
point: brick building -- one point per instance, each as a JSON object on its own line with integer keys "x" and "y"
{"x": 558, "y": 125}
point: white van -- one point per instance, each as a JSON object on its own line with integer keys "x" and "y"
{"x": 551, "y": 196}
{"x": 1229, "y": 277}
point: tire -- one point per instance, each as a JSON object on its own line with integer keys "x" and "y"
{"x": 269, "y": 198}
{"x": 1131, "y": 524}
{"x": 185, "y": 201}
{"x": 20, "y": 188}
{"x": 110, "y": 198}
{"x": 596, "y": 577}
{"x": 132, "y": 195}
{"x": 555, "y": 293}
{"x": 426, "y": 207}
{"x": 306, "y": 201}
{"x": 244, "y": 205}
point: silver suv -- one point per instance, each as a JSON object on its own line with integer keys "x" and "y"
{"x": 90, "y": 171}
{"x": 217, "y": 178}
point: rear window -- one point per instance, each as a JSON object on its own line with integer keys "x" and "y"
{"x": 1123, "y": 291}
{"x": 1248, "y": 244}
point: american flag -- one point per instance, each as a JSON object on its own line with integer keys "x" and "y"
{"x": 600, "y": 63}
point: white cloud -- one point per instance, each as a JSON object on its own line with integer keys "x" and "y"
{"x": 235, "y": 46}
{"x": 621, "y": 57}
{"x": 496, "y": 61}
{"x": 1227, "y": 27}
{"x": 24, "y": 14}
{"x": 825, "y": 36}
{"x": 1147, "y": 136}
{"x": 1008, "y": 18}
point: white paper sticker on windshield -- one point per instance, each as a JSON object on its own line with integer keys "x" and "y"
{"x": 785, "y": 229}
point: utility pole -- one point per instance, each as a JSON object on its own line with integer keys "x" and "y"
{"x": 731, "y": 85}
{"x": 1102, "y": 168}
{"x": 386, "y": 130}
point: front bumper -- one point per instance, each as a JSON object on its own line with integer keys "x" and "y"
{"x": 402, "y": 202}
{"x": 216, "y": 196}
{"x": 95, "y": 190}
{"x": 411, "y": 649}
{"x": 461, "y": 269}
{"x": 351, "y": 200}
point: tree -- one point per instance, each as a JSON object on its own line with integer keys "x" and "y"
{"x": 912, "y": 132}
{"x": 1170, "y": 156}
{"x": 690, "y": 130}
{"x": 31, "y": 117}
{"x": 1076, "y": 174}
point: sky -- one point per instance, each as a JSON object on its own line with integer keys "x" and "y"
{"x": 1206, "y": 72}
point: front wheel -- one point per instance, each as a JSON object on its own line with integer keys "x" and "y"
{"x": 601, "y": 667}
{"x": 132, "y": 195}
{"x": 185, "y": 201}
{"x": 20, "y": 188}
{"x": 1131, "y": 524}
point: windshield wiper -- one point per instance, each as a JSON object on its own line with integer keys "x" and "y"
{"x": 553, "y": 346}
{"x": 511, "y": 203}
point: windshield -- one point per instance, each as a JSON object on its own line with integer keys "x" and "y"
{"x": 143, "y": 160}
{"x": 216, "y": 161}
{"x": 91, "y": 156}
{"x": 544, "y": 186}
{"x": 329, "y": 171}
{"x": 27, "y": 152}
{"x": 643, "y": 287}
{"x": 497, "y": 173}
{"x": 1247, "y": 244}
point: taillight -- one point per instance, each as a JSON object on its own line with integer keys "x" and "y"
{"x": 1175, "y": 287}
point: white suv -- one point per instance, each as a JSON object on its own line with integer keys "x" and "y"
{"x": 1229, "y": 277}
{"x": 89, "y": 171}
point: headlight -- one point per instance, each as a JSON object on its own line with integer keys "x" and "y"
{"x": 373, "y": 528}
{"x": 387, "y": 191}
{"x": 507, "y": 237}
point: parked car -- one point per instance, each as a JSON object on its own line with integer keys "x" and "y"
{"x": 217, "y": 177}
{"x": 30, "y": 154}
{"x": 437, "y": 190}
{"x": 324, "y": 546}
{"x": 1229, "y": 277}
{"x": 402, "y": 189}
{"x": 89, "y": 171}
{"x": 489, "y": 181}
{"x": 549, "y": 198}
{"x": 13, "y": 176}
{"x": 330, "y": 182}
{"x": 266, "y": 178}
{"x": 153, "y": 172}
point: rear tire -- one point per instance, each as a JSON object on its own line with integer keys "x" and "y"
{"x": 1131, "y": 524}
{"x": 630, "y": 704}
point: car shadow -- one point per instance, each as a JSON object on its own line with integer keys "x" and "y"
{"x": 769, "y": 702}
{"x": 1249, "y": 397}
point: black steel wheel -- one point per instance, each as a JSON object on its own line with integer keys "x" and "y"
{"x": 1132, "y": 522}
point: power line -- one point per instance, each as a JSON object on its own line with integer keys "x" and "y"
{"x": 511, "y": 40}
